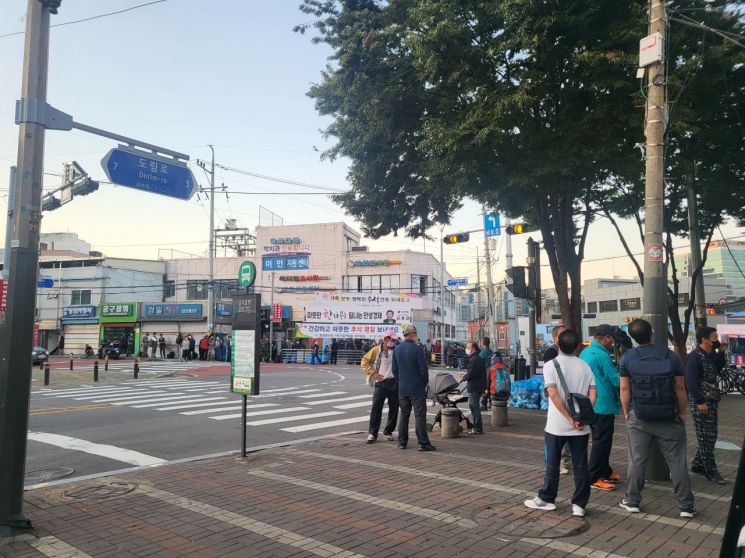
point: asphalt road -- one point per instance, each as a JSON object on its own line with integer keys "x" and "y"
{"x": 120, "y": 424}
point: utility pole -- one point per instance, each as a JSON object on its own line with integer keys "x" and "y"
{"x": 271, "y": 318}
{"x": 511, "y": 314}
{"x": 655, "y": 282}
{"x": 17, "y": 342}
{"x": 9, "y": 222}
{"x": 442, "y": 295}
{"x": 699, "y": 309}
{"x": 491, "y": 330}
{"x": 533, "y": 295}
{"x": 211, "y": 291}
{"x": 478, "y": 293}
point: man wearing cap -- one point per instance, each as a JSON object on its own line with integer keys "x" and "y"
{"x": 378, "y": 363}
{"x": 410, "y": 369}
{"x": 607, "y": 406}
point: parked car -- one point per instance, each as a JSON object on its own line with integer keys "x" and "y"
{"x": 39, "y": 355}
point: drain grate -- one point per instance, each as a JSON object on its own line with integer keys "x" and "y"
{"x": 47, "y": 475}
{"x": 513, "y": 520}
{"x": 101, "y": 491}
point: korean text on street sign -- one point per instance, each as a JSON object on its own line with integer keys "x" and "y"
{"x": 149, "y": 173}
{"x": 491, "y": 224}
{"x": 457, "y": 281}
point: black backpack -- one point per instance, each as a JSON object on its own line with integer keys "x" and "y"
{"x": 653, "y": 386}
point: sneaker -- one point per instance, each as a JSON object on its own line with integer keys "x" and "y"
{"x": 613, "y": 477}
{"x": 688, "y": 512}
{"x": 388, "y": 437}
{"x": 628, "y": 506}
{"x": 473, "y": 431}
{"x": 401, "y": 446}
{"x": 538, "y": 504}
{"x": 600, "y": 484}
{"x": 578, "y": 511}
{"x": 563, "y": 470}
{"x": 698, "y": 470}
{"x": 426, "y": 447}
{"x": 716, "y": 478}
{"x": 371, "y": 438}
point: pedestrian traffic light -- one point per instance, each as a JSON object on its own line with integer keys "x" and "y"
{"x": 518, "y": 286}
{"x": 456, "y": 238}
{"x": 517, "y": 228}
{"x": 50, "y": 203}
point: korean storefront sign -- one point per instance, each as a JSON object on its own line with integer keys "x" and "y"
{"x": 285, "y": 254}
{"x": 171, "y": 311}
{"x": 78, "y": 312}
{"x": 118, "y": 312}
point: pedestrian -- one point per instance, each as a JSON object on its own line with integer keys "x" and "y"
{"x": 549, "y": 354}
{"x": 334, "y": 351}
{"x": 486, "y": 354}
{"x": 654, "y": 416}
{"x": 162, "y": 345}
{"x": 192, "y": 347}
{"x": 607, "y": 406}
{"x": 315, "y": 354}
{"x": 130, "y": 344}
{"x": 563, "y": 427}
{"x": 428, "y": 347}
{"x": 702, "y": 369}
{"x": 184, "y": 346}
{"x": 153, "y": 341}
{"x": 378, "y": 363}
{"x": 204, "y": 345}
{"x": 410, "y": 369}
{"x": 219, "y": 348}
{"x": 144, "y": 344}
{"x": 476, "y": 385}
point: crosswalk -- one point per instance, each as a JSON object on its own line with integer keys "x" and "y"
{"x": 292, "y": 410}
{"x": 156, "y": 365}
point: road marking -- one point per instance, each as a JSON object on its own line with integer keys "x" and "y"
{"x": 165, "y": 400}
{"x": 258, "y": 413}
{"x": 224, "y": 390}
{"x": 283, "y": 536}
{"x": 315, "y": 395}
{"x": 212, "y": 404}
{"x": 575, "y": 549}
{"x": 220, "y": 410}
{"x": 278, "y": 390}
{"x": 328, "y": 424}
{"x": 102, "y": 391}
{"x": 55, "y": 548}
{"x": 293, "y": 418}
{"x": 126, "y": 396}
{"x": 48, "y": 410}
{"x": 104, "y": 450}
{"x": 441, "y": 516}
{"x": 280, "y": 394}
{"x": 353, "y": 405}
{"x": 340, "y": 399}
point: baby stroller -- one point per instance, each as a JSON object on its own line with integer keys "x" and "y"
{"x": 443, "y": 389}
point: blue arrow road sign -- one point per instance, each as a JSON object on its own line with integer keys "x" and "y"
{"x": 149, "y": 173}
{"x": 491, "y": 224}
{"x": 457, "y": 281}
{"x": 45, "y": 283}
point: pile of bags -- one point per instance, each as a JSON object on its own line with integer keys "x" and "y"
{"x": 529, "y": 394}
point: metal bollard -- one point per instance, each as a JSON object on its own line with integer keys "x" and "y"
{"x": 137, "y": 366}
{"x": 95, "y": 370}
{"x": 46, "y": 375}
{"x": 499, "y": 413}
{"x": 71, "y": 361}
{"x": 449, "y": 427}
{"x": 106, "y": 363}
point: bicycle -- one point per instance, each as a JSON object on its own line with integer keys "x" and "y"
{"x": 731, "y": 378}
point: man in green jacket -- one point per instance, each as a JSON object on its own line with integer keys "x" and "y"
{"x": 607, "y": 406}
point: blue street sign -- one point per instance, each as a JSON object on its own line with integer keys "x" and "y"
{"x": 457, "y": 281}
{"x": 149, "y": 173}
{"x": 45, "y": 283}
{"x": 491, "y": 224}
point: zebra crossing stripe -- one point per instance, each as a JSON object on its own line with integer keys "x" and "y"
{"x": 259, "y": 413}
{"x": 338, "y": 400}
{"x": 353, "y": 405}
{"x": 279, "y": 394}
{"x": 220, "y": 410}
{"x": 164, "y": 400}
{"x": 315, "y": 395}
{"x": 293, "y": 418}
{"x": 214, "y": 403}
{"x": 128, "y": 394}
{"x": 328, "y": 424}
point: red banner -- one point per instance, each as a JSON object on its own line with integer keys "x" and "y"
{"x": 277, "y": 313}
{"x": 3, "y": 296}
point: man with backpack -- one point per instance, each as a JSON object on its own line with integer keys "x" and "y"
{"x": 653, "y": 398}
{"x": 567, "y": 379}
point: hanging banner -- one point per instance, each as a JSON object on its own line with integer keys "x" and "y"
{"x": 399, "y": 300}
{"x": 332, "y": 314}
{"x": 347, "y": 331}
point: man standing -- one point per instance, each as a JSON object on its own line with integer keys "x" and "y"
{"x": 153, "y": 345}
{"x": 334, "y": 351}
{"x": 562, "y": 428}
{"x": 702, "y": 367}
{"x": 378, "y": 363}
{"x": 162, "y": 346}
{"x": 654, "y": 415}
{"x": 607, "y": 406}
{"x": 410, "y": 369}
{"x": 144, "y": 344}
{"x": 476, "y": 386}
{"x": 549, "y": 354}
{"x": 315, "y": 354}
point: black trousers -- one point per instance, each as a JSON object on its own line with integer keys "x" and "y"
{"x": 578, "y": 448}
{"x": 706, "y": 426}
{"x": 387, "y": 389}
{"x": 334, "y": 355}
{"x": 602, "y": 443}
{"x": 419, "y": 404}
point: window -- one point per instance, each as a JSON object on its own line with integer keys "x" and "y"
{"x": 502, "y": 336}
{"x": 592, "y": 307}
{"x": 609, "y": 306}
{"x": 169, "y": 289}
{"x": 196, "y": 290}
{"x": 630, "y": 304}
{"x": 366, "y": 283}
{"x": 226, "y": 289}
{"x": 419, "y": 284}
{"x": 80, "y": 297}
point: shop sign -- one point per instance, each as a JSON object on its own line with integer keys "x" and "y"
{"x": 373, "y": 263}
{"x": 285, "y": 312}
{"x": 297, "y": 289}
{"x": 117, "y": 310}
{"x": 277, "y": 313}
{"x": 161, "y": 311}
{"x": 282, "y": 263}
{"x": 354, "y": 331}
{"x": 3, "y": 296}
{"x": 285, "y": 240}
{"x": 304, "y": 278}
{"x": 223, "y": 309}
{"x": 78, "y": 312}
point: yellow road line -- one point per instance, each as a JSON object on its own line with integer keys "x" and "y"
{"x": 48, "y": 410}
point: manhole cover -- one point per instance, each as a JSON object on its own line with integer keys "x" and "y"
{"x": 47, "y": 475}
{"x": 101, "y": 491}
{"x": 515, "y": 520}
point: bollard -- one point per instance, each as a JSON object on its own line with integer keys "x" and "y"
{"x": 71, "y": 363}
{"x": 499, "y": 413}
{"x": 137, "y": 366}
{"x": 46, "y": 375}
{"x": 95, "y": 370}
{"x": 449, "y": 424}
{"x": 106, "y": 364}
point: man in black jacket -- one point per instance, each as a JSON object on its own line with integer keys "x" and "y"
{"x": 476, "y": 385}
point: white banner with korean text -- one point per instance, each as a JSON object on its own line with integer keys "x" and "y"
{"x": 347, "y": 331}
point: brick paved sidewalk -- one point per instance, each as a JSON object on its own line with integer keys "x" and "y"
{"x": 343, "y": 498}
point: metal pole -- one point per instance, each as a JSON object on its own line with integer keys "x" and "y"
{"x": 511, "y": 311}
{"x": 491, "y": 330}
{"x": 271, "y": 317}
{"x": 17, "y": 341}
{"x": 532, "y": 282}
{"x": 243, "y": 425}
{"x": 211, "y": 291}
{"x": 655, "y": 284}
{"x": 9, "y": 222}
{"x": 699, "y": 308}
{"x": 478, "y": 293}
{"x": 442, "y": 294}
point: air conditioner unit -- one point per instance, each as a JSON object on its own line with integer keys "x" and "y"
{"x": 360, "y": 249}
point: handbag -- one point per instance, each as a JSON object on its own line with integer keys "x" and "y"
{"x": 586, "y": 414}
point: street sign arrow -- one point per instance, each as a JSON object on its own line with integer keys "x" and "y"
{"x": 149, "y": 173}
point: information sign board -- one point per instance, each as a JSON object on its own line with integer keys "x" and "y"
{"x": 244, "y": 357}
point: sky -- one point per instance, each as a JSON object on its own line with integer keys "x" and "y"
{"x": 183, "y": 74}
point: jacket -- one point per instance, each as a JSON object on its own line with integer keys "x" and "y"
{"x": 476, "y": 374}
{"x": 607, "y": 378}
{"x": 485, "y": 355}
{"x": 410, "y": 369}
{"x": 369, "y": 361}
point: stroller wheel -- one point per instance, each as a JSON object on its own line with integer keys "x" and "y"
{"x": 429, "y": 427}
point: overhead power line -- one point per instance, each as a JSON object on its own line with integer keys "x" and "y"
{"x": 282, "y": 180}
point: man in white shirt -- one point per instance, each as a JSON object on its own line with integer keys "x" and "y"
{"x": 563, "y": 428}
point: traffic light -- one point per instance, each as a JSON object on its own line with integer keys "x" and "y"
{"x": 84, "y": 187}
{"x": 518, "y": 286}
{"x": 50, "y": 203}
{"x": 517, "y": 228}
{"x": 456, "y": 238}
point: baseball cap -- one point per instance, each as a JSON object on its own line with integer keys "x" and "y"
{"x": 390, "y": 333}
{"x": 409, "y": 329}
{"x": 604, "y": 329}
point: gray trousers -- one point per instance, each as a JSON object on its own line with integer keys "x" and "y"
{"x": 671, "y": 437}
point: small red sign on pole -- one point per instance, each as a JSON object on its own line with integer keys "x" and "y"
{"x": 277, "y": 313}
{"x": 3, "y": 296}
